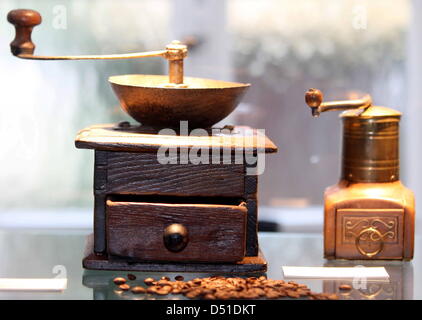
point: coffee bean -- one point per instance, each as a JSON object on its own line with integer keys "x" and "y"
{"x": 302, "y": 292}
{"x": 163, "y": 282}
{"x": 282, "y": 293}
{"x": 164, "y": 290}
{"x": 149, "y": 281}
{"x": 124, "y": 287}
{"x": 138, "y": 290}
{"x": 293, "y": 294}
{"x": 179, "y": 278}
{"x": 152, "y": 289}
{"x": 272, "y": 294}
{"x": 260, "y": 292}
{"x": 119, "y": 280}
{"x": 193, "y": 294}
{"x": 221, "y": 295}
{"x": 131, "y": 277}
{"x": 345, "y": 287}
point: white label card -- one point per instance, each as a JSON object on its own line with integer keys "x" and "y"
{"x": 55, "y": 284}
{"x": 377, "y": 273}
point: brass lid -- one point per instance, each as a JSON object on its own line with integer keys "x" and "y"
{"x": 372, "y": 112}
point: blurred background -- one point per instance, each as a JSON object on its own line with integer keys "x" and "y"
{"x": 281, "y": 47}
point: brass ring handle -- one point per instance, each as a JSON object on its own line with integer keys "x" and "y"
{"x": 370, "y": 231}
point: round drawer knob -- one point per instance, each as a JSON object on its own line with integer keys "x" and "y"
{"x": 175, "y": 237}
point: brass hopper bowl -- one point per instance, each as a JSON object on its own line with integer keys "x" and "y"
{"x": 157, "y": 101}
{"x": 203, "y": 102}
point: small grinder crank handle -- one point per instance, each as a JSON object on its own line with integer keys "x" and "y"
{"x": 314, "y": 99}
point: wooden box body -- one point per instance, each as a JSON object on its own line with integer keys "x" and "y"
{"x": 369, "y": 221}
{"x": 137, "y": 196}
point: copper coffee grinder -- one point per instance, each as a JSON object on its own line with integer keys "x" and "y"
{"x": 369, "y": 214}
{"x": 177, "y": 215}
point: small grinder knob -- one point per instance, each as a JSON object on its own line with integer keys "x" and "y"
{"x": 314, "y": 98}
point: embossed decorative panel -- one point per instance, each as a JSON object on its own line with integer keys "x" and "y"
{"x": 369, "y": 233}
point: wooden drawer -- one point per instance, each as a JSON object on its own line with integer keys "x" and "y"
{"x": 142, "y": 174}
{"x": 369, "y": 233}
{"x": 216, "y": 233}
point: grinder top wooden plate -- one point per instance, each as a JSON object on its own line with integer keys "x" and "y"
{"x": 134, "y": 138}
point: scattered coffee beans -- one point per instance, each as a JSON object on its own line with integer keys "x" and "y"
{"x": 119, "y": 280}
{"x": 222, "y": 288}
{"x": 179, "y": 278}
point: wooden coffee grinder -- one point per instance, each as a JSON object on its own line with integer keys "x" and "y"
{"x": 168, "y": 198}
{"x": 369, "y": 214}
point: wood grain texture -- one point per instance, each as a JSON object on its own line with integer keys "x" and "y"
{"x": 252, "y": 245}
{"x": 248, "y": 265}
{"x": 251, "y": 184}
{"x": 100, "y": 178}
{"x": 141, "y": 174}
{"x": 216, "y": 232}
{"x": 100, "y": 224}
{"x": 139, "y": 139}
{"x": 100, "y": 171}
{"x": 251, "y": 198}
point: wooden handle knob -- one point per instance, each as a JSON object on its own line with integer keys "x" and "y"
{"x": 175, "y": 237}
{"x": 314, "y": 98}
{"x": 24, "y": 20}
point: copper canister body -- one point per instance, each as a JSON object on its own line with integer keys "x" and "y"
{"x": 369, "y": 214}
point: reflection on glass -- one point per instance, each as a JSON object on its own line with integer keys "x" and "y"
{"x": 398, "y": 287}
